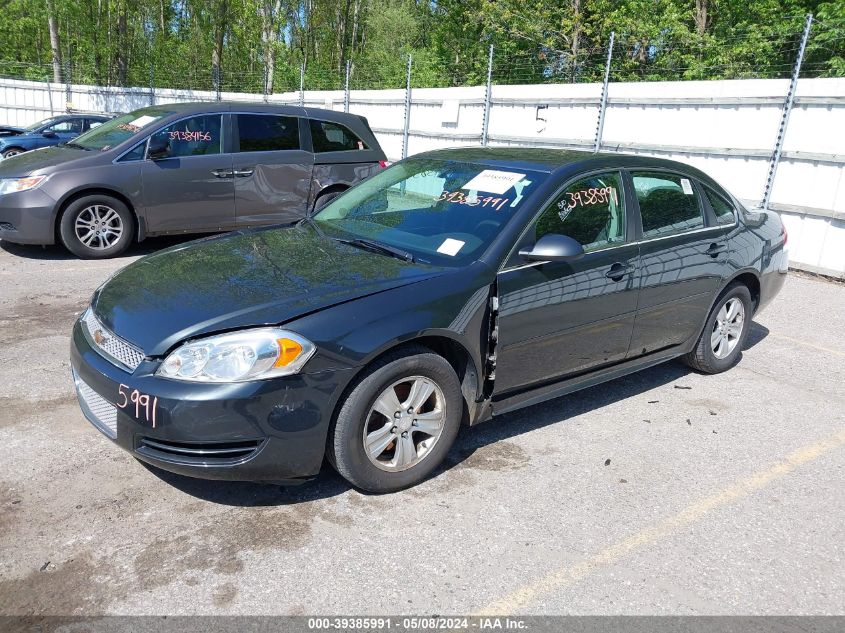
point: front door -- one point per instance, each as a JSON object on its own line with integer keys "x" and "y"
{"x": 272, "y": 172}
{"x": 193, "y": 187}
{"x": 564, "y": 318}
{"x": 682, "y": 261}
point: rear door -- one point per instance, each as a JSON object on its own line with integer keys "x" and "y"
{"x": 272, "y": 173}
{"x": 563, "y": 318}
{"x": 193, "y": 187}
{"x": 683, "y": 260}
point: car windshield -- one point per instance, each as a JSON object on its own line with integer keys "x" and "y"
{"x": 41, "y": 123}
{"x": 441, "y": 212}
{"x": 113, "y": 132}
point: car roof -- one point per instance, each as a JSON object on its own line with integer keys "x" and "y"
{"x": 562, "y": 162}
{"x": 247, "y": 106}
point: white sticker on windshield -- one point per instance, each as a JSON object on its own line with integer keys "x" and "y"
{"x": 494, "y": 181}
{"x": 451, "y": 247}
{"x": 141, "y": 121}
{"x": 687, "y": 186}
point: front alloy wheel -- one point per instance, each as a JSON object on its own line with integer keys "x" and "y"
{"x": 398, "y": 422}
{"x": 97, "y": 226}
{"x": 404, "y": 423}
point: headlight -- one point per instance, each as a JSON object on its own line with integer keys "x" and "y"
{"x": 14, "y": 185}
{"x": 239, "y": 356}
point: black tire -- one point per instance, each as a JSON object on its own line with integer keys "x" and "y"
{"x": 346, "y": 450}
{"x": 98, "y": 248}
{"x": 13, "y": 151}
{"x": 703, "y": 357}
{"x": 324, "y": 198}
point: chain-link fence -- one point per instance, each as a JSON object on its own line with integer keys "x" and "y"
{"x": 634, "y": 93}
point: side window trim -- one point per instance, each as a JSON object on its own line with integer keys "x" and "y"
{"x": 235, "y": 144}
{"x": 629, "y": 235}
{"x": 316, "y": 121}
{"x": 702, "y": 206}
{"x": 706, "y": 191}
{"x": 146, "y": 141}
{"x": 223, "y": 138}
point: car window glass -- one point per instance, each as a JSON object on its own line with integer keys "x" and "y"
{"x": 668, "y": 204}
{"x": 196, "y": 136}
{"x": 590, "y": 210}
{"x": 265, "y": 133}
{"x": 92, "y": 123}
{"x": 334, "y": 137}
{"x": 72, "y": 125}
{"x": 136, "y": 153}
{"x": 115, "y": 131}
{"x": 722, "y": 208}
{"x": 441, "y": 211}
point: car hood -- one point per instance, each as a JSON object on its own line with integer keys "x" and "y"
{"x": 10, "y": 130}
{"x": 244, "y": 279}
{"x": 42, "y": 160}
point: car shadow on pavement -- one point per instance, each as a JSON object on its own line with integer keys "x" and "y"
{"x": 57, "y": 252}
{"x": 329, "y": 484}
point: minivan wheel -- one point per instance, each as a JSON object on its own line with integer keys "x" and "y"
{"x": 96, "y": 227}
{"x": 398, "y": 423}
{"x": 323, "y": 199}
{"x": 720, "y": 345}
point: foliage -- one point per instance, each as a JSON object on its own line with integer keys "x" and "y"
{"x": 192, "y": 43}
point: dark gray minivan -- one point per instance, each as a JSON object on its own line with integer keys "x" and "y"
{"x": 183, "y": 168}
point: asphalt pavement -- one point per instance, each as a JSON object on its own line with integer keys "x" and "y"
{"x": 664, "y": 492}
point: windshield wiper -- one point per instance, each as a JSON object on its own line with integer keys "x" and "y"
{"x": 77, "y": 145}
{"x": 378, "y": 247}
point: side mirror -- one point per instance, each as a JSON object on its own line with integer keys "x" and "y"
{"x": 49, "y": 134}
{"x": 553, "y": 248}
{"x": 158, "y": 148}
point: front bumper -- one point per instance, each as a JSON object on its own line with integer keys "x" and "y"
{"x": 270, "y": 430}
{"x": 27, "y": 217}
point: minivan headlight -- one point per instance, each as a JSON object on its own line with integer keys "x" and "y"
{"x": 239, "y": 356}
{"x": 15, "y": 185}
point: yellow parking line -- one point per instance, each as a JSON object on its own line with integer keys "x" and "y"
{"x": 742, "y": 488}
{"x": 798, "y": 341}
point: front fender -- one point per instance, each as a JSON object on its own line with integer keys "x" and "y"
{"x": 452, "y": 306}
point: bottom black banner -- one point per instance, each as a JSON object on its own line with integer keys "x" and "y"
{"x": 411, "y": 624}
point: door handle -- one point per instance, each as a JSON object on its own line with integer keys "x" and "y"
{"x": 716, "y": 248}
{"x": 619, "y": 270}
{"x": 243, "y": 173}
{"x": 222, "y": 173}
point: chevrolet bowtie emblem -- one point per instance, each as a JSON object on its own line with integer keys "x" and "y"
{"x": 99, "y": 337}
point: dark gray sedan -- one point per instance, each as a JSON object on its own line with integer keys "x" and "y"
{"x": 183, "y": 168}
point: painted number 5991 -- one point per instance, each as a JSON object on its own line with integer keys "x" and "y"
{"x": 144, "y": 405}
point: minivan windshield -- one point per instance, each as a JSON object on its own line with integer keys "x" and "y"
{"x": 113, "y": 132}
{"x": 441, "y": 212}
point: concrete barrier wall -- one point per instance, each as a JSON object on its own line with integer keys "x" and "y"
{"x": 726, "y": 128}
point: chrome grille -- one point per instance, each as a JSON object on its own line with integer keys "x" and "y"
{"x": 99, "y": 411}
{"x": 112, "y": 346}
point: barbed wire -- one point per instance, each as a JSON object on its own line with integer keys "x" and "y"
{"x": 634, "y": 57}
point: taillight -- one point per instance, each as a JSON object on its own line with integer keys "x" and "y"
{"x": 785, "y": 236}
{"x": 384, "y": 163}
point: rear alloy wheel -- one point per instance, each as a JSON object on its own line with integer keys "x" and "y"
{"x": 398, "y": 422}
{"x": 12, "y": 151}
{"x": 96, "y": 227}
{"x": 720, "y": 344}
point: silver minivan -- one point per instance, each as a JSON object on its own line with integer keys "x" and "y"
{"x": 183, "y": 168}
